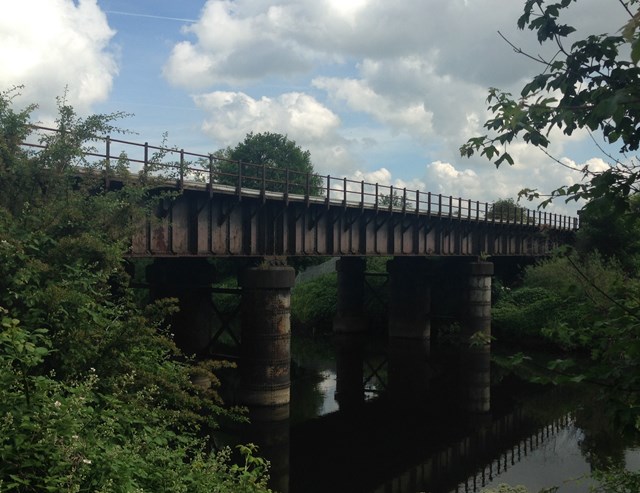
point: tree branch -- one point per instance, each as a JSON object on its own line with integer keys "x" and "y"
{"x": 520, "y": 51}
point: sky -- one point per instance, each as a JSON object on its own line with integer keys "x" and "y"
{"x": 377, "y": 90}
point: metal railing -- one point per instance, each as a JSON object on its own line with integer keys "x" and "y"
{"x": 184, "y": 168}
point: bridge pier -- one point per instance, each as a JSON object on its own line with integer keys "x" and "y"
{"x": 409, "y": 298}
{"x": 476, "y": 338}
{"x": 265, "y": 347}
{"x": 349, "y": 307}
{"x": 189, "y": 280}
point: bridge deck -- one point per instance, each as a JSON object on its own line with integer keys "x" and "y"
{"x": 223, "y": 220}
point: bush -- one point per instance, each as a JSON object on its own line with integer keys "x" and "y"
{"x": 313, "y": 303}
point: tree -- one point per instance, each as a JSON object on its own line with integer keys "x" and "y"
{"x": 614, "y": 235}
{"x": 506, "y": 210}
{"x": 395, "y": 200}
{"x": 592, "y": 85}
{"x": 272, "y": 154}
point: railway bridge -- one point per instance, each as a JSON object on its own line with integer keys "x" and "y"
{"x": 267, "y": 214}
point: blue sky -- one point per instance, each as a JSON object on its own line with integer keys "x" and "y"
{"x": 376, "y": 90}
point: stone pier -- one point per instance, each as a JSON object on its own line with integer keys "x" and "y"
{"x": 409, "y": 298}
{"x": 349, "y": 307}
{"x": 266, "y": 336}
{"x": 476, "y": 338}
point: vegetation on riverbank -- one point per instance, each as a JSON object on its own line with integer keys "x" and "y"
{"x": 94, "y": 394}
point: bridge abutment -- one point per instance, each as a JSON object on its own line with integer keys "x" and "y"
{"x": 349, "y": 307}
{"x": 409, "y": 298}
{"x": 266, "y": 335}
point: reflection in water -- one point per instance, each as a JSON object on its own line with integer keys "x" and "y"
{"x": 419, "y": 435}
{"x": 270, "y": 430}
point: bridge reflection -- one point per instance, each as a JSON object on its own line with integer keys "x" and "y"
{"x": 422, "y": 433}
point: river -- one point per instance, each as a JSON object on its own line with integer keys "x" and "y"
{"x": 366, "y": 416}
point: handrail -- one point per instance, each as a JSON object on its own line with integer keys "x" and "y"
{"x": 213, "y": 170}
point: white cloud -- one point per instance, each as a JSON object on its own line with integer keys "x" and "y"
{"x": 49, "y": 45}
{"x": 231, "y": 115}
{"x": 411, "y": 117}
{"x": 411, "y": 71}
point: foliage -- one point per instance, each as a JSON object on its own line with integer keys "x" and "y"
{"x": 593, "y": 309}
{"x": 394, "y": 200}
{"x": 313, "y": 303}
{"x": 592, "y": 85}
{"x": 281, "y": 159}
{"x": 616, "y": 480}
{"x": 506, "y": 210}
{"x": 614, "y": 235}
{"x": 94, "y": 395}
{"x": 523, "y": 312}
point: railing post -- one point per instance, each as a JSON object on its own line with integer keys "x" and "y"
{"x": 239, "y": 184}
{"x": 390, "y": 198}
{"x": 376, "y": 203}
{"x": 344, "y": 191}
{"x": 286, "y": 186}
{"x": 181, "y": 170}
{"x": 417, "y": 202}
{"x": 264, "y": 179}
{"x": 439, "y": 205}
{"x": 404, "y": 200}
{"x": 145, "y": 165}
{"x": 211, "y": 175}
{"x": 362, "y": 194}
{"x": 107, "y": 180}
{"x": 450, "y": 205}
{"x": 328, "y": 190}
{"x": 307, "y": 186}
{"x": 429, "y": 203}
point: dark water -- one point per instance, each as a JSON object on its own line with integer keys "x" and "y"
{"x": 369, "y": 417}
